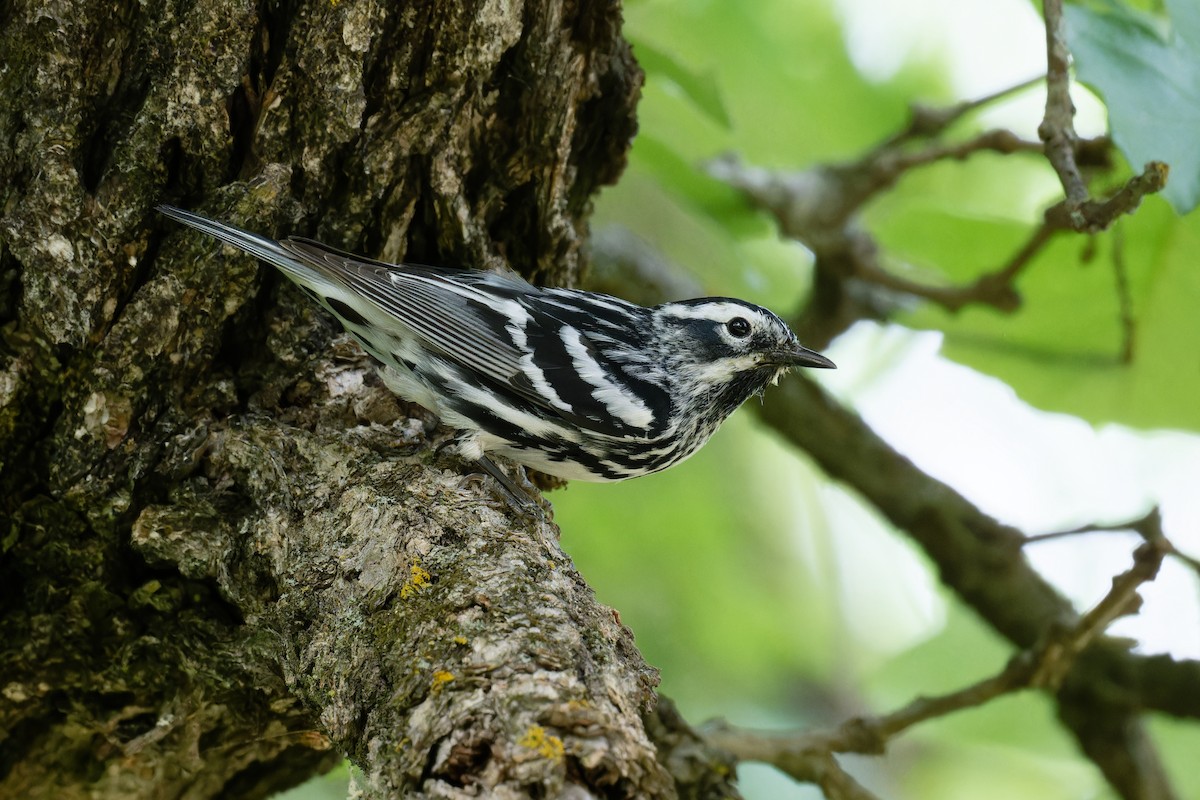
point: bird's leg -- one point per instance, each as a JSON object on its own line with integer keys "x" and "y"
{"x": 521, "y": 499}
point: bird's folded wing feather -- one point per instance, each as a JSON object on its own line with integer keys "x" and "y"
{"x": 488, "y": 324}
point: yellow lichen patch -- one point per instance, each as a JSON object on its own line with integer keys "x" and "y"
{"x": 418, "y": 579}
{"x": 460, "y": 639}
{"x": 547, "y": 744}
{"x": 440, "y": 679}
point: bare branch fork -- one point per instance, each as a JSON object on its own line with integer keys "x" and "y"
{"x": 809, "y": 756}
{"x": 1058, "y": 129}
{"x": 1148, "y": 527}
{"x": 819, "y": 206}
{"x": 982, "y": 561}
{"x": 1078, "y": 211}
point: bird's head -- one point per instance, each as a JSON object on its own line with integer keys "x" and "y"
{"x": 727, "y": 350}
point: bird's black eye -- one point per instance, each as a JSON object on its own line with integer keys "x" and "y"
{"x": 738, "y": 327}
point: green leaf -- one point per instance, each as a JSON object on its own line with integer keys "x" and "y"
{"x": 700, "y": 88}
{"x": 1149, "y": 77}
{"x": 1061, "y": 350}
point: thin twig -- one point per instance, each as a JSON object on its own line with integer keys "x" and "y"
{"x": 1191, "y": 563}
{"x": 929, "y": 121}
{"x": 820, "y": 202}
{"x": 995, "y": 288}
{"x": 1044, "y": 666}
{"x": 1148, "y": 526}
{"x": 1096, "y": 215}
{"x": 792, "y": 756}
{"x": 1057, "y": 130}
{"x": 819, "y": 206}
{"x": 1077, "y": 211}
{"x": 888, "y": 166}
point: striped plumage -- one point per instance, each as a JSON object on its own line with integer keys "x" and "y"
{"x": 576, "y": 384}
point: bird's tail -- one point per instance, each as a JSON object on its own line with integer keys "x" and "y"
{"x": 261, "y": 247}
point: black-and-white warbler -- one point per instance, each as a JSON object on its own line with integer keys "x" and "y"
{"x": 575, "y": 384}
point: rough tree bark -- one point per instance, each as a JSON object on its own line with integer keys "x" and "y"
{"x": 227, "y": 557}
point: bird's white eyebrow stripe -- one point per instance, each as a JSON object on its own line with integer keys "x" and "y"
{"x": 716, "y": 312}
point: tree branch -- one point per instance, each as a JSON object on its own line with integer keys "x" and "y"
{"x": 436, "y": 641}
{"x": 1091, "y": 216}
{"x": 931, "y": 121}
{"x": 995, "y": 289}
{"x": 819, "y": 206}
{"x": 809, "y": 756}
{"x": 802, "y": 756}
{"x": 1057, "y": 130}
{"x": 1078, "y": 211}
{"x": 977, "y": 557}
{"x": 980, "y": 559}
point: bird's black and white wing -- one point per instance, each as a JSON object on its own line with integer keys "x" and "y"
{"x": 530, "y": 346}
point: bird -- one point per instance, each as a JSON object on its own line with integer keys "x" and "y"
{"x": 575, "y": 384}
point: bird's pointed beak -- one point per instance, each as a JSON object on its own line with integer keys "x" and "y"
{"x": 799, "y": 356}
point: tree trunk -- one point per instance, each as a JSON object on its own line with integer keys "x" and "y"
{"x": 228, "y": 557}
